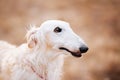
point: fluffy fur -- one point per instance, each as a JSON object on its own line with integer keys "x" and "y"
{"x": 41, "y": 57}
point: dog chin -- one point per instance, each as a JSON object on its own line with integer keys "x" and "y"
{"x": 75, "y": 54}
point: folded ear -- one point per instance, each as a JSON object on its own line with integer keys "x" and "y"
{"x": 32, "y": 38}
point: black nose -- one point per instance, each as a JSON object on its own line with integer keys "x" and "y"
{"x": 83, "y": 49}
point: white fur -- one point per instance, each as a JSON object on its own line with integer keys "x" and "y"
{"x": 41, "y": 52}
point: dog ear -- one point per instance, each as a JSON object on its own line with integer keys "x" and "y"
{"x": 32, "y": 38}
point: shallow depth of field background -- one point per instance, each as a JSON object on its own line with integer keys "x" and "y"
{"x": 96, "y": 21}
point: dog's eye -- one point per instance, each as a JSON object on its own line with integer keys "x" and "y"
{"x": 57, "y": 30}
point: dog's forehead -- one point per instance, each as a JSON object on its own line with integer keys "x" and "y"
{"x": 51, "y": 24}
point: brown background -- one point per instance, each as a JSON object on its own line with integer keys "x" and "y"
{"x": 96, "y": 21}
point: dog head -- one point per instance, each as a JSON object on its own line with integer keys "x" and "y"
{"x": 57, "y": 35}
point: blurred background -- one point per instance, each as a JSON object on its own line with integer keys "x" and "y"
{"x": 96, "y": 21}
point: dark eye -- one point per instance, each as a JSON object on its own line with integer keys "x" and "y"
{"x": 57, "y": 30}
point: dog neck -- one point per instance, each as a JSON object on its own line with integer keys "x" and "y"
{"x": 35, "y": 71}
{"x": 45, "y": 62}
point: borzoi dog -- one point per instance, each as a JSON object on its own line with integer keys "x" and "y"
{"x": 42, "y": 57}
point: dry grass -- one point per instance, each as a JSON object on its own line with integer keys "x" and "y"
{"x": 96, "y": 21}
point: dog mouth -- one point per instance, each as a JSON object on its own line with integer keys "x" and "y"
{"x": 76, "y": 54}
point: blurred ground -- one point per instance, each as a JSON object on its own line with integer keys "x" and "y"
{"x": 96, "y": 21}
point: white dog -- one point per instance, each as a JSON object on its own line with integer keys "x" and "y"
{"x": 41, "y": 58}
